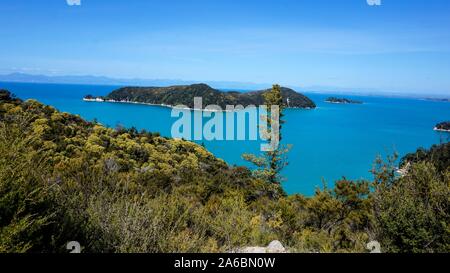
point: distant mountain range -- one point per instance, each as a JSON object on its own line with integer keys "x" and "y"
{"x": 185, "y": 94}
{"x": 101, "y": 80}
{"x": 222, "y": 85}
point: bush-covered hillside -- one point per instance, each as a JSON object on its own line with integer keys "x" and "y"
{"x": 438, "y": 155}
{"x": 119, "y": 190}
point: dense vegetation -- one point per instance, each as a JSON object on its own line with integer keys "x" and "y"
{"x": 342, "y": 100}
{"x": 271, "y": 163}
{"x": 443, "y": 126}
{"x": 120, "y": 190}
{"x": 184, "y": 95}
{"x": 439, "y": 155}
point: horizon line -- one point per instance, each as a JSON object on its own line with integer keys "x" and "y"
{"x": 249, "y": 86}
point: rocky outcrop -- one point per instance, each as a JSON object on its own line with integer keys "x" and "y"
{"x": 273, "y": 247}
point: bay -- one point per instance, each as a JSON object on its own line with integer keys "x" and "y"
{"x": 329, "y": 142}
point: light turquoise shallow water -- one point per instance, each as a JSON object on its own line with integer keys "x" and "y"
{"x": 329, "y": 142}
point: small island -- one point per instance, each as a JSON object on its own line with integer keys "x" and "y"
{"x": 342, "y": 101}
{"x": 92, "y": 98}
{"x": 443, "y": 127}
{"x": 185, "y": 94}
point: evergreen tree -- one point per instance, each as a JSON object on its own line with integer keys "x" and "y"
{"x": 272, "y": 162}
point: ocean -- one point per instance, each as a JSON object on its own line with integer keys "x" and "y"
{"x": 328, "y": 143}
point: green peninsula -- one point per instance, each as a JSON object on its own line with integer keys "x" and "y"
{"x": 185, "y": 94}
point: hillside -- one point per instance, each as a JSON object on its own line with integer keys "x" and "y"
{"x": 438, "y": 155}
{"x": 97, "y": 185}
{"x": 119, "y": 190}
{"x": 184, "y": 95}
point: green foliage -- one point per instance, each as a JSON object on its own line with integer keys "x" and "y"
{"x": 27, "y": 204}
{"x": 272, "y": 162}
{"x": 5, "y": 95}
{"x": 64, "y": 179}
{"x": 413, "y": 212}
{"x": 342, "y": 214}
{"x": 438, "y": 155}
{"x": 185, "y": 94}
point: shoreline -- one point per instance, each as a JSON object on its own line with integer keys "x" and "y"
{"x": 174, "y": 107}
{"x": 129, "y": 102}
{"x": 153, "y": 104}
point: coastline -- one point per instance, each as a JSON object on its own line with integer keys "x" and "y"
{"x": 173, "y": 107}
{"x": 151, "y": 104}
{"x": 130, "y": 102}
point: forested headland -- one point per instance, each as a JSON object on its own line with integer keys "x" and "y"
{"x": 185, "y": 94}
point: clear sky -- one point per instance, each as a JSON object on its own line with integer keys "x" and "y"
{"x": 400, "y": 46}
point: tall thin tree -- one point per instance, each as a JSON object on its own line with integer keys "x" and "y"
{"x": 272, "y": 162}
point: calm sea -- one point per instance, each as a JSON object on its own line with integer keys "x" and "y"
{"x": 329, "y": 142}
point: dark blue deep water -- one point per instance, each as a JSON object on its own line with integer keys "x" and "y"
{"x": 329, "y": 142}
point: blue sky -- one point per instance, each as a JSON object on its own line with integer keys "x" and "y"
{"x": 400, "y": 46}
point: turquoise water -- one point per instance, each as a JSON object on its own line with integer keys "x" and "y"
{"x": 329, "y": 142}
